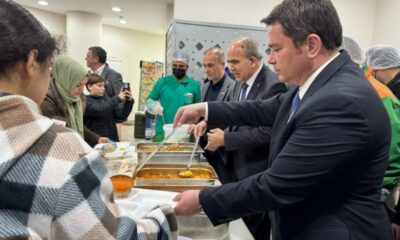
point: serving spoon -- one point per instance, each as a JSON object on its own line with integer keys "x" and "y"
{"x": 156, "y": 150}
{"x": 188, "y": 173}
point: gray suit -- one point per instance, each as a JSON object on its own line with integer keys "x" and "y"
{"x": 113, "y": 85}
{"x": 214, "y": 157}
{"x": 224, "y": 93}
{"x": 113, "y": 79}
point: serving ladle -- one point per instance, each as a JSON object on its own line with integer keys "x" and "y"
{"x": 187, "y": 173}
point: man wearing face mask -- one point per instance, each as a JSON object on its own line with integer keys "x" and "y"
{"x": 172, "y": 92}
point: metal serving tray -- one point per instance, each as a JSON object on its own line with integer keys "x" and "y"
{"x": 164, "y": 182}
{"x": 144, "y": 149}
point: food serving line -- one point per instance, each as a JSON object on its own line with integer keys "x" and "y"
{"x": 163, "y": 172}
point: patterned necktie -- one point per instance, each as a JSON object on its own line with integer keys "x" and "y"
{"x": 295, "y": 103}
{"x": 243, "y": 92}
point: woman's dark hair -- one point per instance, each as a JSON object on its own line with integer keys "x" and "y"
{"x": 21, "y": 32}
{"x": 299, "y": 18}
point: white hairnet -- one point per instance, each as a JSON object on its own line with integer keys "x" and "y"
{"x": 382, "y": 57}
{"x": 353, "y": 49}
{"x": 181, "y": 56}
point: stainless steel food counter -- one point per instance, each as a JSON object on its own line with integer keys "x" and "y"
{"x": 170, "y": 153}
{"x": 199, "y": 227}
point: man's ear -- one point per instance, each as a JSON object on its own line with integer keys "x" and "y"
{"x": 253, "y": 61}
{"x": 31, "y": 64}
{"x": 314, "y": 45}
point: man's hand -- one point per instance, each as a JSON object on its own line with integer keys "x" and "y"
{"x": 187, "y": 203}
{"x": 396, "y": 231}
{"x": 199, "y": 129}
{"x": 215, "y": 139}
{"x": 189, "y": 114}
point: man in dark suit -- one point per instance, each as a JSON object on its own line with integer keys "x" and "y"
{"x": 246, "y": 147}
{"x": 96, "y": 59}
{"x": 329, "y": 143}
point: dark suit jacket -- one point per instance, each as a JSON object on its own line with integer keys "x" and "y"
{"x": 327, "y": 161}
{"x": 113, "y": 79}
{"x": 214, "y": 157}
{"x": 225, "y": 92}
{"x": 247, "y": 146}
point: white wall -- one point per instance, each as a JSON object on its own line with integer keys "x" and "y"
{"x": 55, "y": 23}
{"x": 237, "y": 12}
{"x": 357, "y": 16}
{"x": 386, "y": 28}
{"x": 78, "y": 41}
{"x": 121, "y": 44}
{"x": 130, "y": 47}
{"x": 367, "y": 21}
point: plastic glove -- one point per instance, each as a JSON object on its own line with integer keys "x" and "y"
{"x": 154, "y": 107}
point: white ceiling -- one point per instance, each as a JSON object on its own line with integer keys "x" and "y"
{"x": 142, "y": 15}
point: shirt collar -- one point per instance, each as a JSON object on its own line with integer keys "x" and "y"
{"x": 219, "y": 83}
{"x": 99, "y": 71}
{"x": 253, "y": 77}
{"x": 303, "y": 88}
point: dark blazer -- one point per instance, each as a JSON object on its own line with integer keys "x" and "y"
{"x": 102, "y": 113}
{"x": 214, "y": 157}
{"x": 113, "y": 79}
{"x": 225, "y": 92}
{"x": 326, "y": 163}
{"x": 247, "y": 146}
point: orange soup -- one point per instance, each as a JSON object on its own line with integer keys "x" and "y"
{"x": 122, "y": 183}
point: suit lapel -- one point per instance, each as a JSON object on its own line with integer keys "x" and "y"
{"x": 236, "y": 91}
{"x": 283, "y": 128}
{"x": 204, "y": 90}
{"x": 258, "y": 82}
{"x": 224, "y": 89}
{"x": 326, "y": 74}
{"x": 105, "y": 71}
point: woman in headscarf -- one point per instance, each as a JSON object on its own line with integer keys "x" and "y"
{"x": 64, "y": 100}
{"x": 53, "y": 185}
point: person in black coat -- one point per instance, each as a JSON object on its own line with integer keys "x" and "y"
{"x": 103, "y": 112}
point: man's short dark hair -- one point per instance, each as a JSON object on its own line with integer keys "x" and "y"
{"x": 299, "y": 18}
{"x": 218, "y": 52}
{"x": 100, "y": 53}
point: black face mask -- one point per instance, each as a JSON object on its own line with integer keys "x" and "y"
{"x": 179, "y": 73}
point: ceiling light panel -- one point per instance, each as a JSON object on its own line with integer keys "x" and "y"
{"x": 43, "y": 3}
{"x": 116, "y": 9}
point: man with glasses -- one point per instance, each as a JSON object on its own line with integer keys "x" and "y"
{"x": 172, "y": 92}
